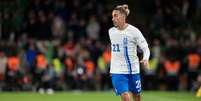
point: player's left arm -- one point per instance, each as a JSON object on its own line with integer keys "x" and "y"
{"x": 142, "y": 43}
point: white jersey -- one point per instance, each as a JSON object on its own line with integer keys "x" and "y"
{"x": 124, "y": 44}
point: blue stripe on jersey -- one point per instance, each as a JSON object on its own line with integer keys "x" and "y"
{"x": 127, "y": 60}
{"x": 125, "y": 42}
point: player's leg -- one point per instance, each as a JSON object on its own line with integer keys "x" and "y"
{"x": 135, "y": 86}
{"x": 136, "y": 97}
{"x": 120, "y": 84}
{"x": 125, "y": 96}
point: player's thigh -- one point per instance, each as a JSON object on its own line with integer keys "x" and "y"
{"x": 135, "y": 84}
{"x": 120, "y": 83}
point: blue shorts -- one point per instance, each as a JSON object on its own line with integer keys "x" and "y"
{"x": 126, "y": 82}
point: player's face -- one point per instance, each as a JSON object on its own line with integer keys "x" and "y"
{"x": 117, "y": 18}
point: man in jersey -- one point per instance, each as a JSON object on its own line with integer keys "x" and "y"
{"x": 125, "y": 38}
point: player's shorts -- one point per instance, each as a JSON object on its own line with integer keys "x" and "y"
{"x": 126, "y": 82}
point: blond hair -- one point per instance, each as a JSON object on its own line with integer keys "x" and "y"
{"x": 123, "y": 9}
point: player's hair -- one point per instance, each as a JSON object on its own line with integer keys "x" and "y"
{"x": 123, "y": 9}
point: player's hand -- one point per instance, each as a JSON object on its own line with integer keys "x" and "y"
{"x": 145, "y": 63}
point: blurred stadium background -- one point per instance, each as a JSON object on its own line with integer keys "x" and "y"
{"x": 63, "y": 45}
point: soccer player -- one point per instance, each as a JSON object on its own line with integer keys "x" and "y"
{"x": 124, "y": 69}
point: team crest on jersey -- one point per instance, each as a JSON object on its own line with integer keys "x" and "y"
{"x": 125, "y": 41}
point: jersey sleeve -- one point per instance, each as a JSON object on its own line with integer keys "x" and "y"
{"x": 109, "y": 32}
{"x": 142, "y": 43}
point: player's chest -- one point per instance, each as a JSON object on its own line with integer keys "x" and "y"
{"x": 123, "y": 38}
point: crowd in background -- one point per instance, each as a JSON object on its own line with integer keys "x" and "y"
{"x": 64, "y": 45}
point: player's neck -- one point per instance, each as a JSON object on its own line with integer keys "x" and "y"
{"x": 123, "y": 26}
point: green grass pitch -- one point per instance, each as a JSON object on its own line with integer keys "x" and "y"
{"x": 96, "y": 96}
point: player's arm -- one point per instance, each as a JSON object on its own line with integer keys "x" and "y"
{"x": 142, "y": 43}
{"x": 146, "y": 54}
